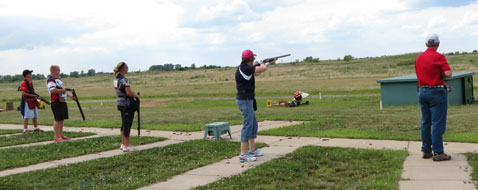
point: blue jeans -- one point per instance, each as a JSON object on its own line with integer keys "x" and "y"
{"x": 250, "y": 126}
{"x": 434, "y": 104}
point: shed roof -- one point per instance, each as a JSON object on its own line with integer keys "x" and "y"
{"x": 413, "y": 78}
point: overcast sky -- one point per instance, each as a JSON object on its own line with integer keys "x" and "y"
{"x": 79, "y": 35}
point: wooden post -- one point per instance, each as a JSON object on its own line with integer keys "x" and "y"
{"x": 9, "y": 106}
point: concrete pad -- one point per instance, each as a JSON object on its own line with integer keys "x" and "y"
{"x": 236, "y": 129}
{"x": 365, "y": 143}
{"x": 278, "y": 124}
{"x": 183, "y": 182}
{"x": 14, "y": 134}
{"x": 437, "y": 185}
{"x": 297, "y": 141}
{"x": 268, "y": 139}
{"x": 449, "y": 147}
{"x": 266, "y": 125}
{"x": 457, "y": 173}
{"x": 83, "y": 158}
{"x": 40, "y": 166}
{"x": 417, "y": 160}
{"x": 216, "y": 171}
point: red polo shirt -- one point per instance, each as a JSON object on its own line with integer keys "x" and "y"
{"x": 429, "y": 67}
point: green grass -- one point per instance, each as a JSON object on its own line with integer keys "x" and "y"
{"x": 9, "y": 131}
{"x": 473, "y": 161}
{"x": 24, "y": 156}
{"x": 328, "y": 77}
{"x": 36, "y": 137}
{"x": 347, "y": 117}
{"x": 314, "y": 167}
{"x": 359, "y": 117}
{"x": 127, "y": 171}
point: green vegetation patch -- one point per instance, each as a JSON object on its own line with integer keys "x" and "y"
{"x": 314, "y": 167}
{"x": 24, "y": 156}
{"x": 34, "y": 137}
{"x": 126, "y": 171}
{"x": 473, "y": 161}
{"x": 10, "y": 131}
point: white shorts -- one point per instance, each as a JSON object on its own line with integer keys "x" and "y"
{"x": 30, "y": 113}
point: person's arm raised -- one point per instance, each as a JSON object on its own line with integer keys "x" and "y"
{"x": 260, "y": 69}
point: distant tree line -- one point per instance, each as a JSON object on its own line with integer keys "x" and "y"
{"x": 74, "y": 74}
{"x": 178, "y": 67}
{"x": 13, "y": 78}
{"x": 462, "y": 53}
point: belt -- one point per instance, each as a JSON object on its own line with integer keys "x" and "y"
{"x": 245, "y": 91}
{"x": 437, "y": 86}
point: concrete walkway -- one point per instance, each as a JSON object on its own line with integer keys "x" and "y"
{"x": 417, "y": 173}
{"x": 174, "y": 137}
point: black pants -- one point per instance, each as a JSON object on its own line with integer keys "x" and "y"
{"x": 127, "y": 117}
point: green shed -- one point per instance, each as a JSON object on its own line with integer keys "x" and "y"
{"x": 404, "y": 90}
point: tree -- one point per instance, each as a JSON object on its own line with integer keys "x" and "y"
{"x": 91, "y": 72}
{"x": 311, "y": 59}
{"x": 193, "y": 66}
{"x": 63, "y": 75}
{"x": 74, "y": 74}
{"x": 348, "y": 58}
{"x": 177, "y": 67}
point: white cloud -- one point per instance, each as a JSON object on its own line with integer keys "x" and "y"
{"x": 214, "y": 31}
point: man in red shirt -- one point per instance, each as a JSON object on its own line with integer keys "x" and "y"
{"x": 432, "y": 69}
{"x": 29, "y": 100}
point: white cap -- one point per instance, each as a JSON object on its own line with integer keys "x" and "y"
{"x": 432, "y": 39}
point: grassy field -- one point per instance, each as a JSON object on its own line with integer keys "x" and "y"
{"x": 127, "y": 171}
{"x": 24, "y": 156}
{"x": 314, "y": 167}
{"x": 348, "y": 117}
{"x": 8, "y": 131}
{"x": 358, "y": 76}
{"x": 36, "y": 137}
{"x": 342, "y": 117}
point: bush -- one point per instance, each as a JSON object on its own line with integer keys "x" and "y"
{"x": 312, "y": 59}
{"x": 348, "y": 58}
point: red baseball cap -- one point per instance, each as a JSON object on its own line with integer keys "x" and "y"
{"x": 246, "y": 54}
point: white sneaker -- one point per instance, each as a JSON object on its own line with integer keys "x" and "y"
{"x": 247, "y": 158}
{"x": 256, "y": 153}
{"x": 121, "y": 147}
{"x": 128, "y": 149}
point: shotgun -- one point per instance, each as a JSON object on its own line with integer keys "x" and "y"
{"x": 272, "y": 59}
{"x": 139, "y": 116}
{"x": 77, "y": 101}
{"x": 38, "y": 96}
